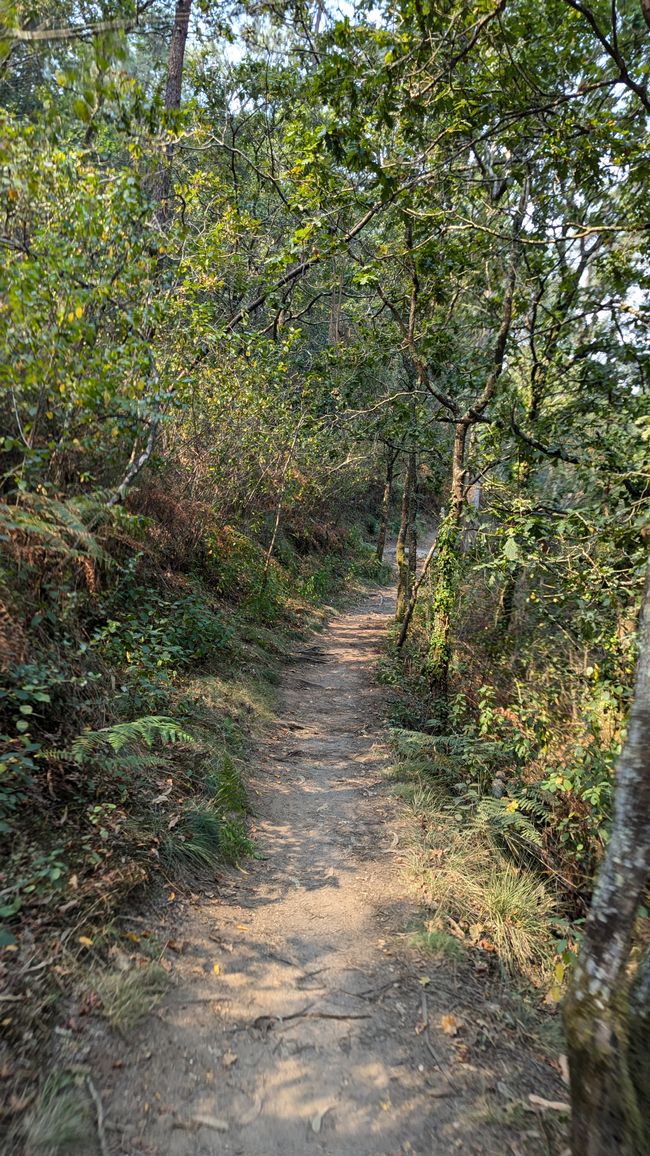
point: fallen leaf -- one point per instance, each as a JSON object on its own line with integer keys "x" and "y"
{"x": 424, "y": 980}
{"x": 85, "y": 941}
{"x": 161, "y": 798}
{"x": 486, "y": 945}
{"x": 132, "y": 936}
{"x": 564, "y": 1067}
{"x": 228, "y": 1059}
{"x": 450, "y": 1025}
{"x": 316, "y": 1122}
{"x": 171, "y": 897}
{"x": 216, "y": 967}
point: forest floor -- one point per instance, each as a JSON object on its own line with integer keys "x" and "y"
{"x": 300, "y": 1018}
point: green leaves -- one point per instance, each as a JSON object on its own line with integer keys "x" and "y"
{"x": 511, "y": 550}
{"x": 147, "y": 731}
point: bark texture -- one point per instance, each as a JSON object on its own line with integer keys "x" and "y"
{"x": 413, "y": 513}
{"x": 609, "y": 1095}
{"x": 173, "y": 89}
{"x": 403, "y": 572}
{"x": 385, "y": 506}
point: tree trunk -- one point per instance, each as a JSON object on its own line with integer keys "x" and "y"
{"x": 449, "y": 548}
{"x": 412, "y": 530}
{"x": 414, "y": 596}
{"x": 507, "y": 603}
{"x": 385, "y": 506}
{"x": 173, "y": 90}
{"x": 403, "y": 573}
{"x": 639, "y": 1038}
{"x": 610, "y": 1109}
{"x": 172, "y": 101}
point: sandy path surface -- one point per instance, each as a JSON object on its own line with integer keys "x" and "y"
{"x": 307, "y": 1037}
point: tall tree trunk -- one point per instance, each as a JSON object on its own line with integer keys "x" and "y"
{"x": 610, "y": 1108}
{"x": 447, "y": 554}
{"x": 385, "y": 505}
{"x": 406, "y": 622}
{"x": 458, "y": 475}
{"x": 450, "y": 536}
{"x": 412, "y": 530}
{"x": 507, "y": 603}
{"x": 173, "y": 89}
{"x": 403, "y": 574}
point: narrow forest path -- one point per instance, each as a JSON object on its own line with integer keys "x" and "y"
{"x": 295, "y": 1024}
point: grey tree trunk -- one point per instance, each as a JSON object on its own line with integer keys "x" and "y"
{"x": 403, "y": 573}
{"x": 173, "y": 89}
{"x": 412, "y": 530}
{"x": 385, "y": 506}
{"x": 609, "y": 1095}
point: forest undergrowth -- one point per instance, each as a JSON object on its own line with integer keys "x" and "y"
{"x": 509, "y": 780}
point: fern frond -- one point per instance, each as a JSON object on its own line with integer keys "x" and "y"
{"x": 146, "y": 730}
{"x": 508, "y": 828}
{"x": 60, "y": 526}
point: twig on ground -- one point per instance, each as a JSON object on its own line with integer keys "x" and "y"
{"x": 99, "y": 1110}
{"x": 427, "y": 1040}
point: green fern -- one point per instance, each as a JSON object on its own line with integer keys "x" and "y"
{"x": 508, "y": 828}
{"x": 230, "y": 792}
{"x": 146, "y": 730}
{"x": 534, "y": 805}
{"x": 59, "y": 526}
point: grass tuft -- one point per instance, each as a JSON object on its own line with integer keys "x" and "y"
{"x": 470, "y": 881}
{"x": 61, "y": 1121}
{"x": 128, "y": 996}
{"x": 193, "y": 844}
{"x": 439, "y": 944}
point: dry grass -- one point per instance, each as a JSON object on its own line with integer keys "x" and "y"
{"x": 128, "y": 996}
{"x": 471, "y": 886}
{"x": 61, "y": 1123}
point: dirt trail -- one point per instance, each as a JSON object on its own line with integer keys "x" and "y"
{"x": 308, "y": 1036}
